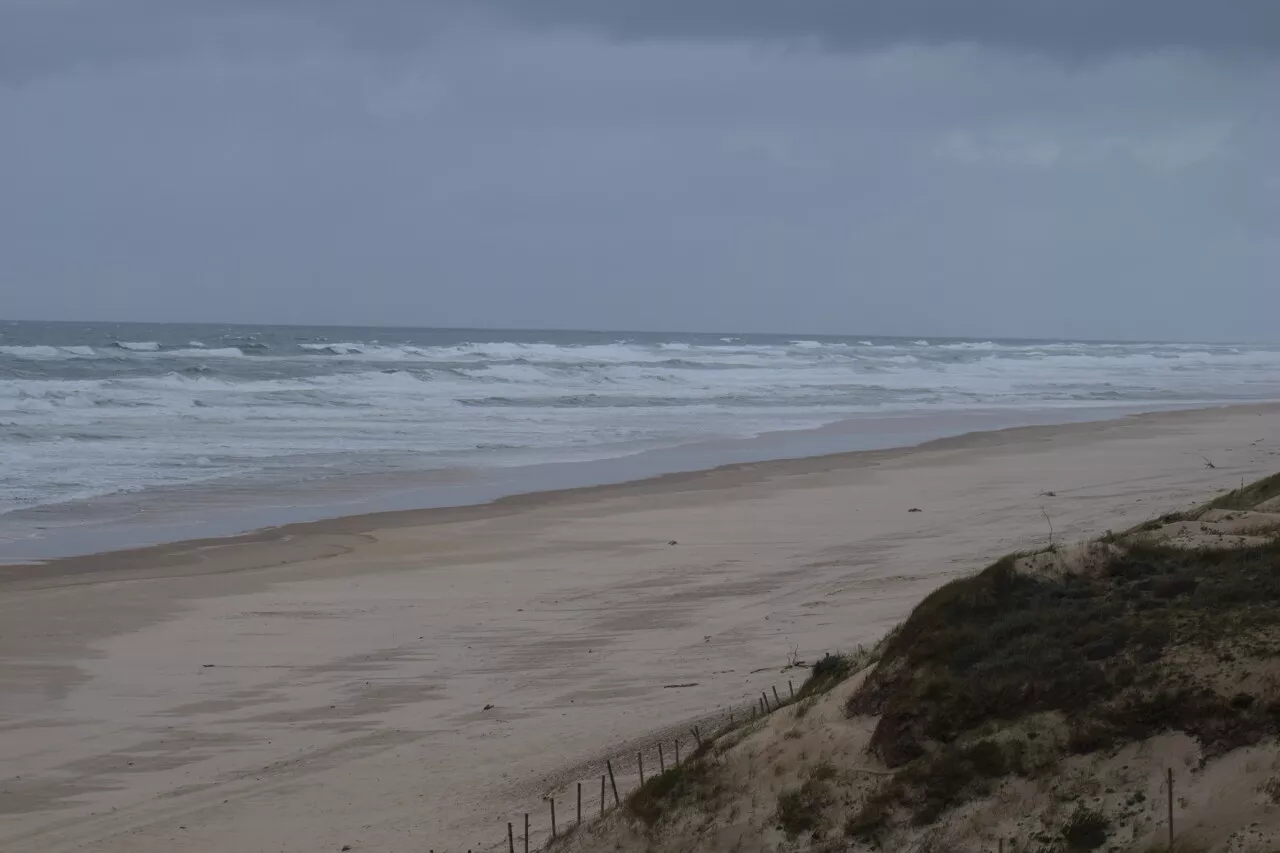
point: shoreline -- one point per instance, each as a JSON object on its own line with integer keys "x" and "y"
{"x": 414, "y": 680}
{"x": 165, "y": 550}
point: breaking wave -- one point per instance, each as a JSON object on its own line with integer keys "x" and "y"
{"x": 167, "y": 404}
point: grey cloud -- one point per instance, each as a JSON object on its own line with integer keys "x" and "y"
{"x": 493, "y": 181}
{"x": 1073, "y": 28}
{"x": 42, "y": 36}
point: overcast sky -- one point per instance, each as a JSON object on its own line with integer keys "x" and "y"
{"x": 1062, "y": 168}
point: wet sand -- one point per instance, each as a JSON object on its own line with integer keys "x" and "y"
{"x": 325, "y": 684}
{"x": 133, "y": 520}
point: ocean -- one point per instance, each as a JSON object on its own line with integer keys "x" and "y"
{"x": 100, "y": 422}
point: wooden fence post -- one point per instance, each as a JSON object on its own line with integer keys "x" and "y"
{"x": 777, "y": 702}
{"x": 617, "y": 801}
{"x": 526, "y": 832}
{"x": 511, "y": 838}
{"x": 553, "y": 817}
{"x": 640, "y": 764}
{"x": 765, "y": 700}
{"x": 601, "y": 795}
{"x": 662, "y": 762}
{"x": 579, "y": 802}
{"x": 792, "y": 688}
{"x": 1169, "y": 779}
{"x": 677, "y": 752}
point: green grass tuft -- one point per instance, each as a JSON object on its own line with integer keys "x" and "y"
{"x": 1085, "y": 830}
{"x": 1249, "y": 496}
{"x": 803, "y": 810}
{"x": 691, "y": 782}
{"x": 826, "y": 674}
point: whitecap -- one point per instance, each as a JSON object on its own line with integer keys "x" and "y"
{"x": 967, "y": 345}
{"x": 334, "y": 349}
{"x": 352, "y": 405}
{"x": 139, "y": 346}
{"x": 220, "y": 352}
{"x": 31, "y": 352}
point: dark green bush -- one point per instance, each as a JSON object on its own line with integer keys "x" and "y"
{"x": 1085, "y": 830}
{"x": 829, "y": 671}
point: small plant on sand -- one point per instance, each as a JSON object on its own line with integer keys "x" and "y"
{"x": 870, "y": 819}
{"x": 690, "y": 783}
{"x": 826, "y": 674}
{"x": 1085, "y": 830}
{"x": 562, "y": 838}
{"x": 803, "y": 810}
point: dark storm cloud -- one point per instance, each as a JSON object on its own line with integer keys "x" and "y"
{"x": 40, "y": 36}
{"x": 47, "y": 36}
{"x": 1060, "y": 27}
{"x": 597, "y": 164}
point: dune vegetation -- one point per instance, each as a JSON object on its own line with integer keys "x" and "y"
{"x": 1041, "y": 704}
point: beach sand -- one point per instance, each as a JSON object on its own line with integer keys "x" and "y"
{"x": 325, "y": 684}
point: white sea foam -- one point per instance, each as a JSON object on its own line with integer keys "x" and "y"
{"x": 46, "y": 352}
{"x": 31, "y": 351}
{"x": 207, "y": 352}
{"x": 139, "y": 415}
{"x": 333, "y": 349}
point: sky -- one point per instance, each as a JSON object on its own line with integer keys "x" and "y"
{"x": 1058, "y": 168}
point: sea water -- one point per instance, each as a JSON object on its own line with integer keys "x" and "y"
{"x": 93, "y": 412}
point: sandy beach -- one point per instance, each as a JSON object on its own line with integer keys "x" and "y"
{"x": 326, "y": 684}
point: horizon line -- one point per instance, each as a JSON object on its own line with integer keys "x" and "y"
{"x": 794, "y": 335}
